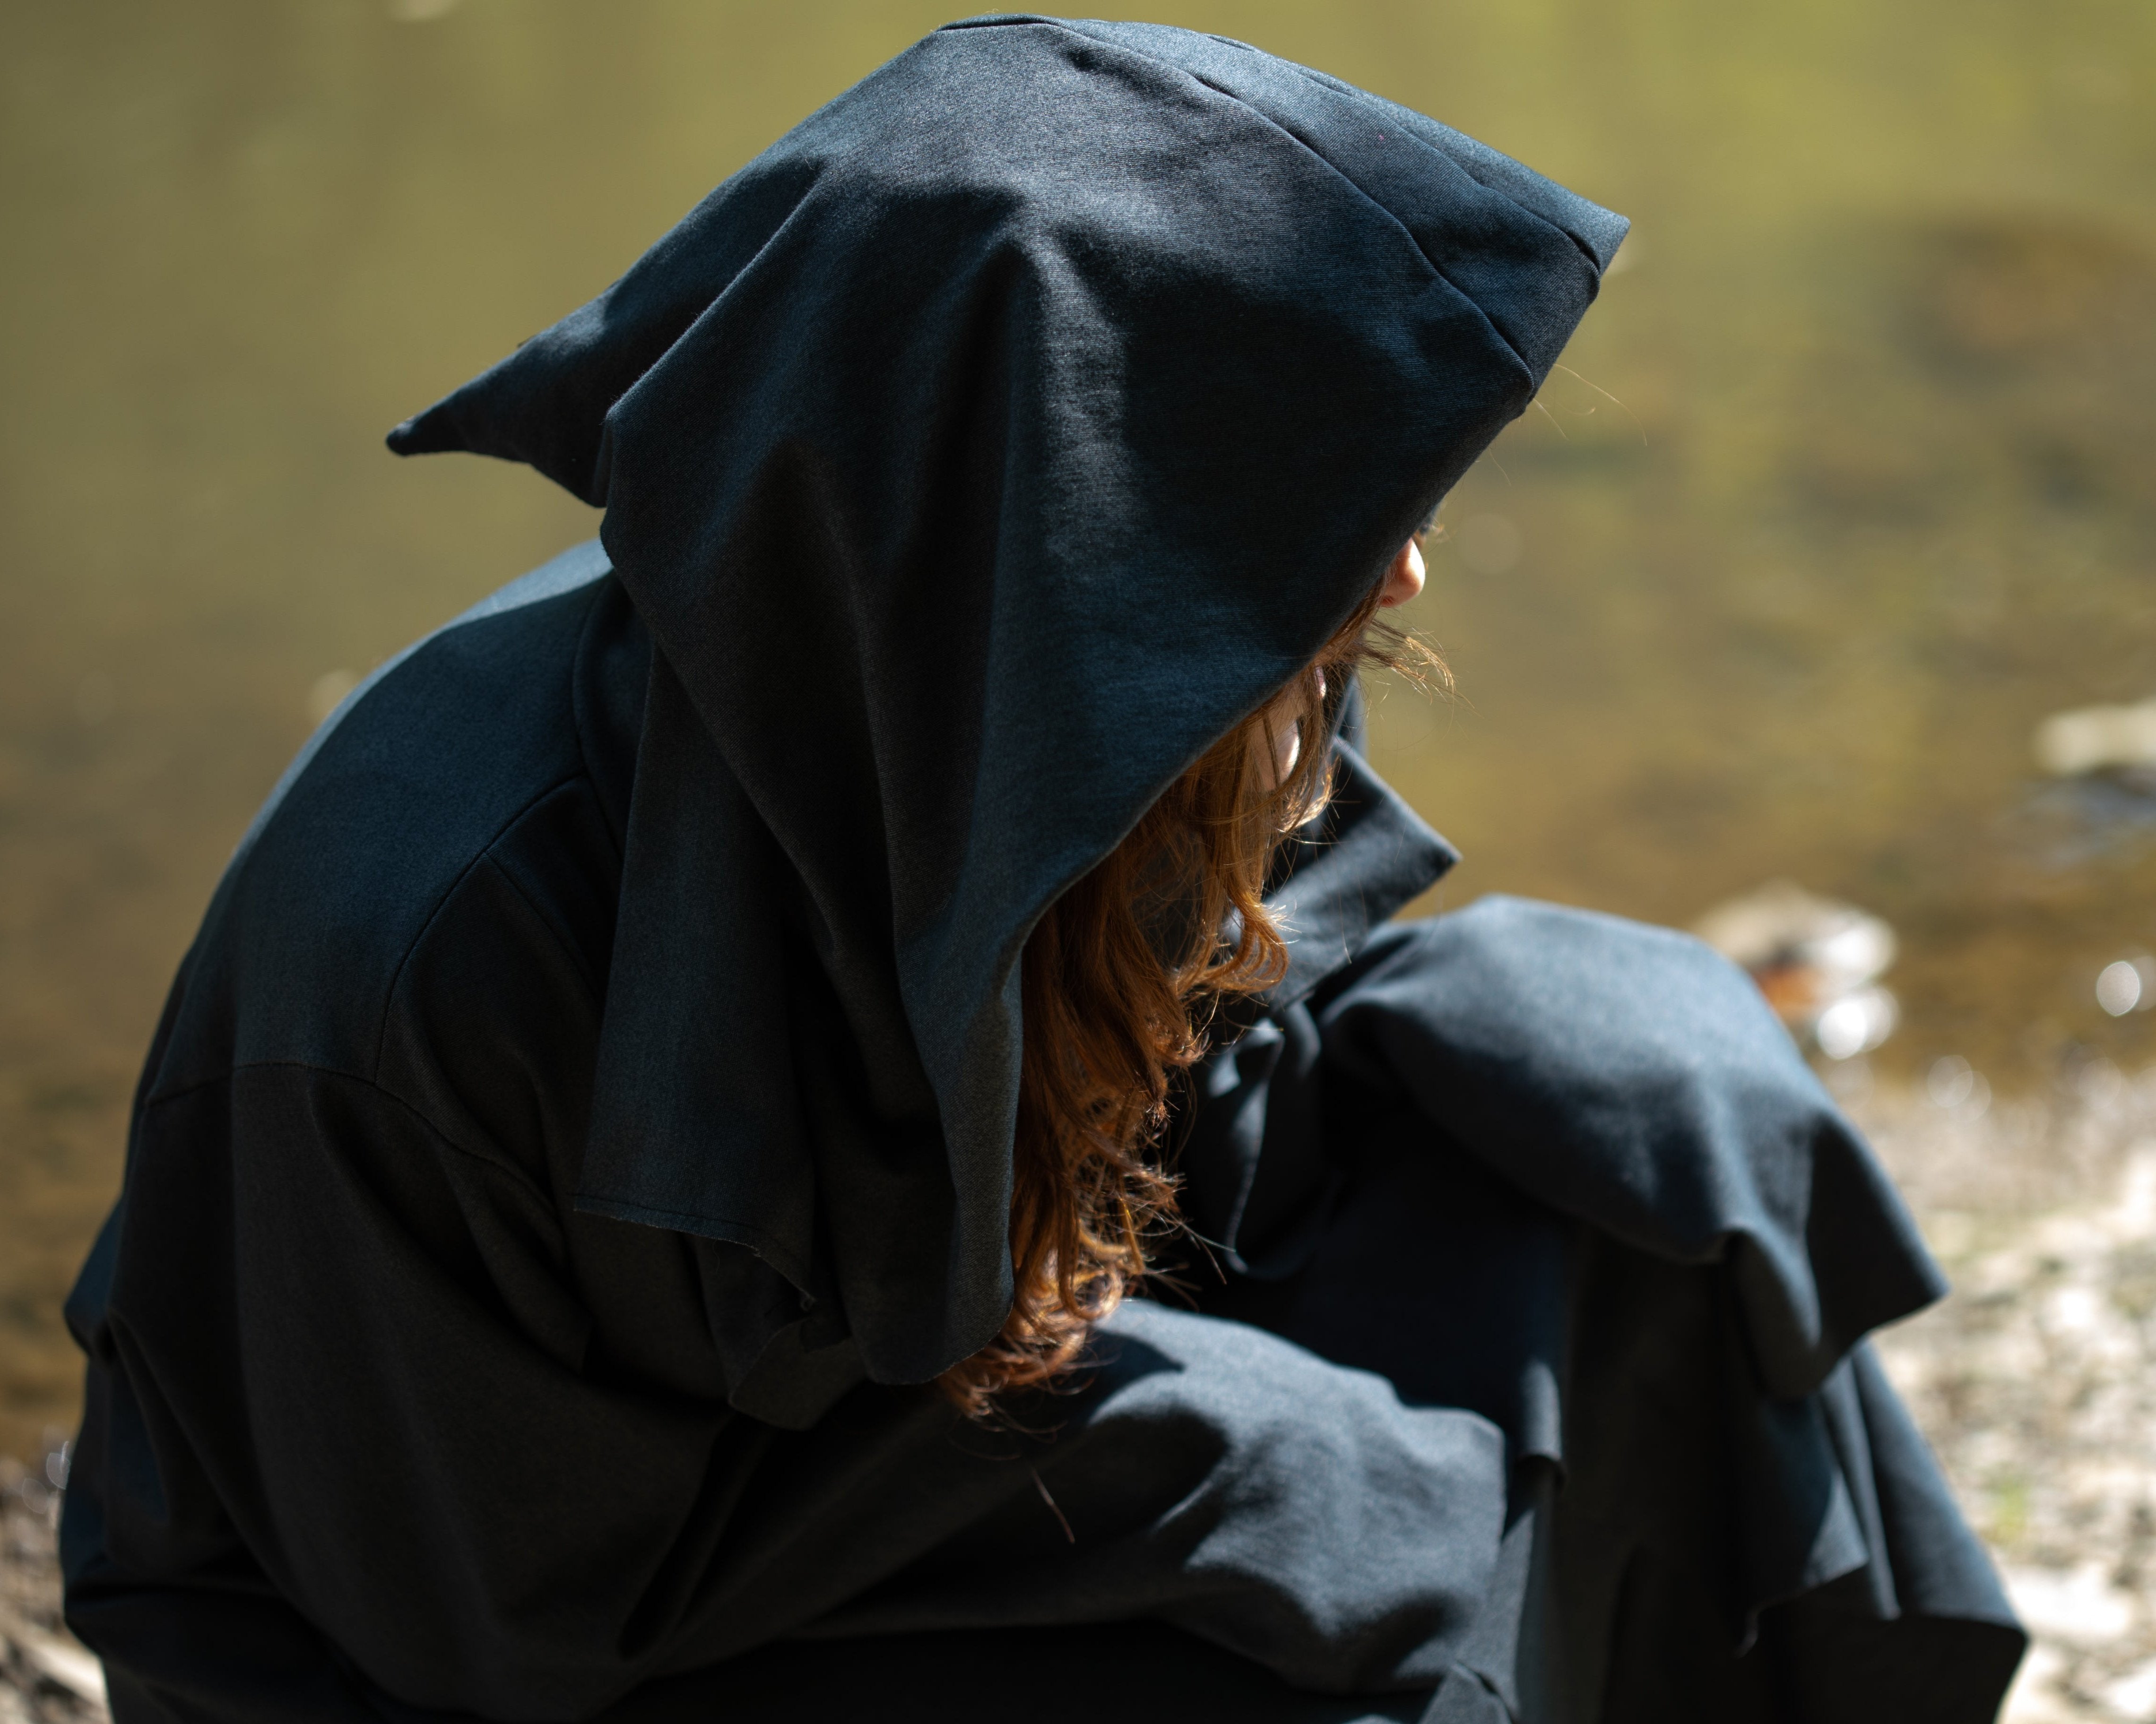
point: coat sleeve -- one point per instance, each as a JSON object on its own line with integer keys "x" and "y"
{"x": 1631, "y": 1077}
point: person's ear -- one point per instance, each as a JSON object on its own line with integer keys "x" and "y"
{"x": 1404, "y": 578}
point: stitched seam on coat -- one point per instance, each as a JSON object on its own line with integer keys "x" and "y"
{"x": 577, "y": 715}
{"x": 1264, "y": 118}
{"x": 594, "y": 987}
{"x": 1406, "y": 232}
{"x": 421, "y": 1118}
{"x": 434, "y": 915}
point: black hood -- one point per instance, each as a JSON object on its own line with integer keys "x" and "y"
{"x": 977, "y": 456}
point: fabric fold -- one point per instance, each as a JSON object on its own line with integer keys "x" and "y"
{"x": 1673, "y": 1113}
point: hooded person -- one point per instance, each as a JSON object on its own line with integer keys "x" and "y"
{"x": 604, "y": 1098}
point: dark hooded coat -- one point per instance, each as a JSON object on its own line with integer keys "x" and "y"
{"x": 583, "y": 1125}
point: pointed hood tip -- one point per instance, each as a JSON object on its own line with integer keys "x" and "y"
{"x": 1605, "y": 236}
{"x": 427, "y": 433}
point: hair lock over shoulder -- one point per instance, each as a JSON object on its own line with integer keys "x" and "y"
{"x": 1122, "y": 978}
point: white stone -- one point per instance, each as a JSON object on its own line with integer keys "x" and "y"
{"x": 2078, "y": 1606}
{"x": 2134, "y": 1694}
{"x": 2035, "y": 1697}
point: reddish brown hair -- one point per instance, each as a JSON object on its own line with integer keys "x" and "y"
{"x": 1120, "y": 979}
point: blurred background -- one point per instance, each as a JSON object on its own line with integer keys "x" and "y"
{"x": 1813, "y": 609}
